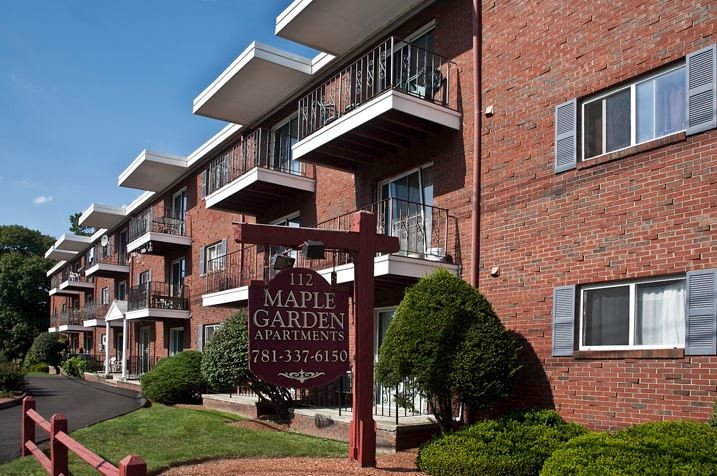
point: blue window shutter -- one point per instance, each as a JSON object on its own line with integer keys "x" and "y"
{"x": 701, "y": 334}
{"x": 563, "y": 320}
{"x": 202, "y": 265}
{"x": 200, "y": 338}
{"x": 701, "y": 93}
{"x": 204, "y": 183}
{"x": 566, "y": 149}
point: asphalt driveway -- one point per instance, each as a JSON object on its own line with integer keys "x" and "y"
{"x": 82, "y": 402}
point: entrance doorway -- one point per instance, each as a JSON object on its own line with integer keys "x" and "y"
{"x": 145, "y": 334}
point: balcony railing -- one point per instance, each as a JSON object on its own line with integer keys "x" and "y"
{"x": 392, "y": 64}
{"x": 95, "y": 311}
{"x": 157, "y": 221}
{"x": 424, "y": 232}
{"x": 55, "y": 281}
{"x": 157, "y": 295}
{"x": 74, "y": 275}
{"x": 71, "y": 317}
{"x": 106, "y": 255}
{"x": 250, "y": 151}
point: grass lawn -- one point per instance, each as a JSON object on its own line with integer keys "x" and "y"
{"x": 165, "y": 436}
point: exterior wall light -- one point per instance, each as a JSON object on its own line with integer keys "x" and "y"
{"x": 313, "y": 249}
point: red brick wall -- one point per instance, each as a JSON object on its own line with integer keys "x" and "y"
{"x": 649, "y": 214}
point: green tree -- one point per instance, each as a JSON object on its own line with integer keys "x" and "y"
{"x": 46, "y": 348}
{"x": 77, "y": 229}
{"x": 447, "y": 339}
{"x": 225, "y": 364}
{"x": 24, "y": 303}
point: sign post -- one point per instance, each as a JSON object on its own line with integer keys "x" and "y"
{"x": 363, "y": 242}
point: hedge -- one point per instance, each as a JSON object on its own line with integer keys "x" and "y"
{"x": 661, "y": 448}
{"x": 176, "y": 379}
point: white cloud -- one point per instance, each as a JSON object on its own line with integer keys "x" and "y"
{"x": 42, "y": 199}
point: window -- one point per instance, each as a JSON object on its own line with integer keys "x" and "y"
{"x": 639, "y": 112}
{"x": 105, "y": 296}
{"x": 176, "y": 340}
{"x": 640, "y": 314}
{"x": 121, "y": 290}
{"x": 215, "y": 257}
{"x": 285, "y": 135}
{"x": 292, "y": 221}
{"x": 209, "y": 331}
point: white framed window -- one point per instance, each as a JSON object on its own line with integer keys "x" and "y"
{"x": 209, "y": 331}
{"x": 105, "y": 296}
{"x": 121, "y": 290}
{"x": 214, "y": 256}
{"x": 644, "y": 314}
{"x": 176, "y": 340}
{"x": 644, "y": 110}
{"x": 293, "y": 220}
{"x": 382, "y": 318}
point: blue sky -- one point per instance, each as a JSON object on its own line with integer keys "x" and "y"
{"x": 85, "y": 85}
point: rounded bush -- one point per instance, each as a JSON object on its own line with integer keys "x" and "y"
{"x": 516, "y": 445}
{"x": 42, "y": 368}
{"x": 74, "y": 366}
{"x": 225, "y": 363}
{"x": 46, "y": 348}
{"x": 12, "y": 378}
{"x": 175, "y": 379}
{"x": 661, "y": 448}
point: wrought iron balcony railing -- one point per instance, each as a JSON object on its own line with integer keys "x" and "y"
{"x": 71, "y": 317}
{"x": 250, "y": 151}
{"x": 74, "y": 274}
{"x": 158, "y": 295}
{"x": 55, "y": 281}
{"x": 105, "y": 254}
{"x": 424, "y": 232}
{"x": 392, "y": 64}
{"x": 155, "y": 220}
{"x": 95, "y": 311}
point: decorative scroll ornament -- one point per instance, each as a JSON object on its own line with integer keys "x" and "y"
{"x": 301, "y": 376}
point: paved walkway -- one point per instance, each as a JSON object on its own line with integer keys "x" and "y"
{"x": 82, "y": 402}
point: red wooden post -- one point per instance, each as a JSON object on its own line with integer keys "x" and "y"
{"x": 58, "y": 451}
{"x": 362, "y": 445}
{"x": 28, "y": 426}
{"x": 132, "y": 465}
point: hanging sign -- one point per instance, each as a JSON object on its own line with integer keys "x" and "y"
{"x": 298, "y": 330}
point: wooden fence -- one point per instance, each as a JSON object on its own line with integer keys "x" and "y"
{"x": 61, "y": 443}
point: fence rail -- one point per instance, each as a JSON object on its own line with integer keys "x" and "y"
{"x": 392, "y": 64}
{"x": 61, "y": 444}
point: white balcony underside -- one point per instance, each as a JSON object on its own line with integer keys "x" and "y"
{"x": 159, "y": 237}
{"x": 77, "y": 285}
{"x": 64, "y": 292}
{"x": 259, "y": 78}
{"x": 106, "y": 268}
{"x": 338, "y": 26}
{"x": 386, "y": 265}
{"x": 102, "y": 216}
{"x": 71, "y": 328}
{"x": 152, "y": 171}
{"x": 100, "y": 323}
{"x": 57, "y": 254}
{"x": 381, "y": 104}
{"x": 52, "y": 330}
{"x": 259, "y": 174}
{"x": 157, "y": 314}
{"x": 70, "y": 242}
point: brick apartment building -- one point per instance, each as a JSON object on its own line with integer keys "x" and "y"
{"x": 596, "y": 211}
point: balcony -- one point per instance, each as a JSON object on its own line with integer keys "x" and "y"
{"x": 106, "y": 262}
{"x": 337, "y": 27}
{"x": 427, "y": 237}
{"x": 71, "y": 321}
{"x": 70, "y": 282}
{"x": 245, "y": 178}
{"x": 156, "y": 231}
{"x": 55, "y": 282}
{"x": 152, "y": 171}
{"x": 102, "y": 216}
{"x": 94, "y": 316}
{"x": 392, "y": 97}
{"x": 157, "y": 300}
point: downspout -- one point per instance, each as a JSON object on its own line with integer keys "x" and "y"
{"x": 477, "y": 126}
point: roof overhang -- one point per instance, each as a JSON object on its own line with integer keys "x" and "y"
{"x": 258, "y": 79}
{"x": 138, "y": 202}
{"x": 100, "y": 323}
{"x": 117, "y": 310}
{"x": 152, "y": 171}
{"x": 102, "y": 216}
{"x": 71, "y": 328}
{"x": 56, "y": 268}
{"x": 152, "y": 314}
{"x": 338, "y": 27}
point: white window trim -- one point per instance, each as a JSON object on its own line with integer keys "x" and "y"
{"x": 171, "y": 338}
{"x": 290, "y": 216}
{"x": 216, "y": 245}
{"x": 103, "y": 291}
{"x": 275, "y": 128}
{"x": 205, "y": 339}
{"x": 431, "y": 25}
{"x": 404, "y": 174}
{"x": 633, "y": 114}
{"x": 376, "y": 312}
{"x": 632, "y": 284}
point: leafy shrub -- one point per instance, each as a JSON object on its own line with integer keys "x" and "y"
{"x": 713, "y": 417}
{"x": 45, "y": 348}
{"x": 42, "y": 367}
{"x": 12, "y": 378}
{"x": 176, "y": 379}
{"x": 74, "y": 366}
{"x": 225, "y": 365}
{"x": 661, "y": 448}
{"x": 517, "y": 445}
{"x": 446, "y": 336}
